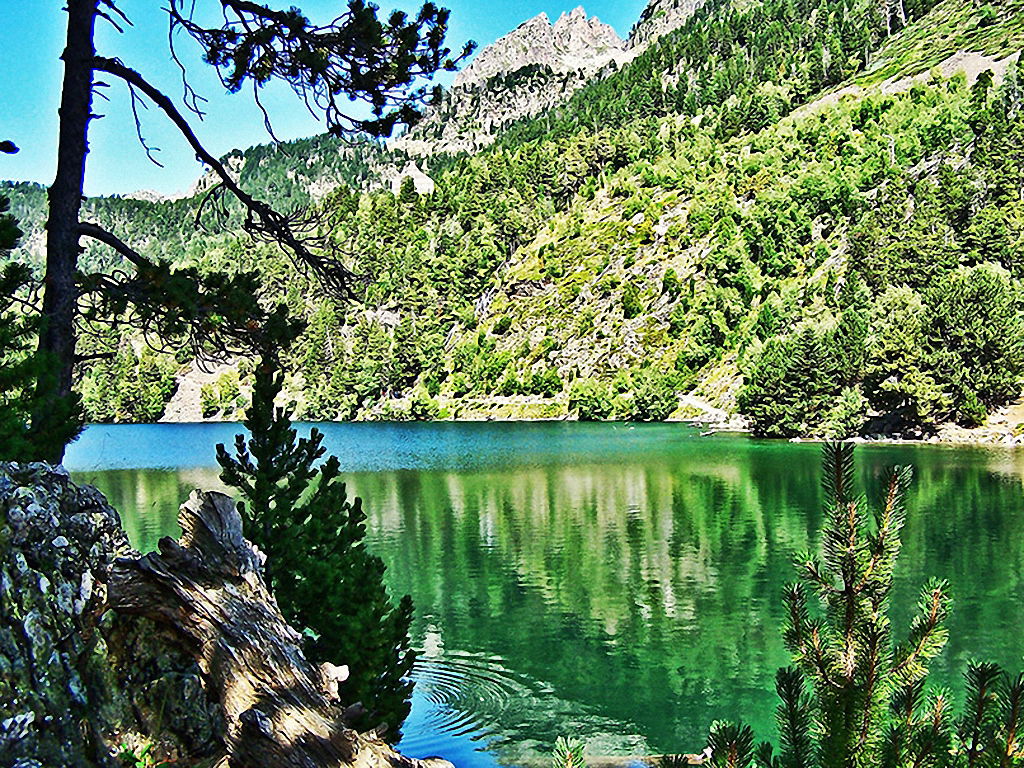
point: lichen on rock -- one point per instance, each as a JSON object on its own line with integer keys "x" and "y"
{"x": 78, "y": 682}
{"x": 182, "y": 653}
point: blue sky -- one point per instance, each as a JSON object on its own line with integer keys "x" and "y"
{"x": 31, "y": 40}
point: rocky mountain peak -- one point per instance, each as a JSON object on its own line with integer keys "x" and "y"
{"x": 574, "y": 43}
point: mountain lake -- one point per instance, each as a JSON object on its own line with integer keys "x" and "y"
{"x": 616, "y": 582}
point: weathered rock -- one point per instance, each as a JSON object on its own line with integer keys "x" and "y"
{"x": 183, "y": 651}
{"x": 574, "y": 43}
{"x": 77, "y": 682}
{"x": 659, "y": 18}
{"x": 535, "y": 67}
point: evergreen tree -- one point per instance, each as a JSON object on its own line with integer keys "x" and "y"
{"x": 974, "y": 336}
{"x": 324, "y": 579}
{"x": 17, "y": 331}
{"x": 853, "y": 697}
{"x": 356, "y": 56}
{"x": 768, "y": 396}
{"x": 898, "y": 379}
{"x": 849, "y": 338}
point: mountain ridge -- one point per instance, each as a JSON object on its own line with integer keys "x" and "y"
{"x": 536, "y": 66}
{"x": 679, "y": 230}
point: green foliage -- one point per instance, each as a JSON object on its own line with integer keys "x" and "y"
{"x": 545, "y": 382}
{"x": 847, "y": 416}
{"x": 21, "y": 367}
{"x": 133, "y": 387}
{"x": 897, "y": 375}
{"x": 631, "y": 303}
{"x": 423, "y": 407}
{"x": 324, "y": 579}
{"x": 790, "y": 384}
{"x": 654, "y": 395}
{"x": 670, "y": 284}
{"x": 568, "y": 753}
{"x": 140, "y": 757}
{"x": 502, "y": 325}
{"x": 975, "y": 338}
{"x": 591, "y": 400}
{"x": 17, "y": 369}
{"x": 854, "y": 697}
{"x": 778, "y": 224}
{"x": 209, "y": 401}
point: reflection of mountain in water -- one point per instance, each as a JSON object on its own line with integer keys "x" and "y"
{"x": 634, "y": 598}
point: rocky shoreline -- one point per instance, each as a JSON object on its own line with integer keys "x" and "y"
{"x": 180, "y": 655}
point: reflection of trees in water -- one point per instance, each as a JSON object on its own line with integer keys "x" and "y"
{"x": 148, "y": 499}
{"x": 629, "y": 587}
{"x": 648, "y": 590}
{"x": 652, "y": 589}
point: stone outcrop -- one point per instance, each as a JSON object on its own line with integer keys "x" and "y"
{"x": 183, "y": 653}
{"x": 537, "y": 66}
{"x": 60, "y": 701}
{"x": 574, "y": 43}
{"x": 423, "y": 184}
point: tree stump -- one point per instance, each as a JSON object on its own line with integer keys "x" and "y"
{"x": 280, "y": 710}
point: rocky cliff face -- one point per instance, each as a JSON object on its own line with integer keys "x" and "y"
{"x": 574, "y": 43}
{"x": 533, "y": 68}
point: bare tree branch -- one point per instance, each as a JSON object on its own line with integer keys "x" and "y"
{"x": 136, "y": 101}
{"x": 294, "y": 232}
{"x": 96, "y": 232}
{"x": 355, "y": 57}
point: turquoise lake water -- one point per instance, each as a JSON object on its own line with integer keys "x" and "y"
{"x": 619, "y": 583}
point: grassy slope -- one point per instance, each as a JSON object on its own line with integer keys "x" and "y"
{"x": 952, "y": 26}
{"x": 568, "y": 284}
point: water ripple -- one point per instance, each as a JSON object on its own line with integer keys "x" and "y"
{"x": 467, "y": 693}
{"x": 473, "y": 701}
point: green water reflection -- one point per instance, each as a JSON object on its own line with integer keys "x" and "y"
{"x": 634, "y": 598}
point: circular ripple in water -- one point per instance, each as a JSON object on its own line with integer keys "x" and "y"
{"x": 467, "y": 694}
{"x": 473, "y": 710}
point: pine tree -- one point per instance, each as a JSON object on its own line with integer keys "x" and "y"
{"x": 15, "y": 337}
{"x": 358, "y": 56}
{"x": 324, "y": 579}
{"x": 853, "y": 697}
{"x": 768, "y": 396}
{"x": 20, "y": 367}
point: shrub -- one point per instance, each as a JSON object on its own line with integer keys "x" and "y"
{"x": 546, "y": 383}
{"x": 670, "y": 283}
{"x": 678, "y": 321}
{"x": 209, "y": 402}
{"x": 422, "y": 407}
{"x": 654, "y": 396}
{"x": 591, "y": 400}
{"x": 846, "y": 417}
{"x": 631, "y": 304}
{"x": 460, "y": 385}
{"x": 502, "y": 325}
{"x": 509, "y": 385}
{"x": 324, "y": 579}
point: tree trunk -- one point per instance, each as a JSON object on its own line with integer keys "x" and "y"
{"x": 280, "y": 710}
{"x": 57, "y": 336}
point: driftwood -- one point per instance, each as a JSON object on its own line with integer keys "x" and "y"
{"x": 280, "y": 710}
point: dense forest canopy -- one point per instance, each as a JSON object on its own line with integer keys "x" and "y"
{"x": 700, "y": 222}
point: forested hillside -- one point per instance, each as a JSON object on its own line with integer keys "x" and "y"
{"x": 764, "y": 212}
